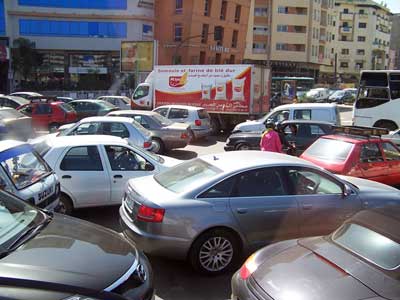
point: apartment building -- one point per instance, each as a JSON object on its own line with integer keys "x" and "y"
{"x": 362, "y": 38}
{"x": 295, "y": 36}
{"x": 201, "y": 31}
{"x": 394, "y": 52}
{"x": 78, "y": 38}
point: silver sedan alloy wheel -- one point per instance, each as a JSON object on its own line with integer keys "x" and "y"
{"x": 216, "y": 254}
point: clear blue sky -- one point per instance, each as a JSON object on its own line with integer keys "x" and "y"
{"x": 394, "y": 5}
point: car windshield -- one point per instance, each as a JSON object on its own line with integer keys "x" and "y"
{"x": 338, "y": 94}
{"x": 66, "y": 107}
{"x": 368, "y": 244}
{"x": 42, "y": 148}
{"x": 329, "y": 150}
{"x": 15, "y": 217}
{"x": 185, "y": 176}
{"x": 106, "y": 105}
{"x": 23, "y": 166}
{"x": 161, "y": 120}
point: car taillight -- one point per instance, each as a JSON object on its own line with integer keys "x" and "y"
{"x": 146, "y": 144}
{"x": 150, "y": 214}
{"x": 197, "y": 122}
{"x": 248, "y": 268}
{"x": 184, "y": 136}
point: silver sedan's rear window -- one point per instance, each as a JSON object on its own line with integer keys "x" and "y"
{"x": 370, "y": 245}
{"x": 185, "y": 176}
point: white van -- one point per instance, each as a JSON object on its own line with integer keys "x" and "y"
{"x": 318, "y": 95}
{"x": 301, "y": 111}
{"x": 25, "y": 174}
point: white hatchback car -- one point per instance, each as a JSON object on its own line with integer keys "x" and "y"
{"x": 122, "y": 127}
{"x": 93, "y": 170}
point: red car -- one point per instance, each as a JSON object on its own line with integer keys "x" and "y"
{"x": 49, "y": 114}
{"x": 369, "y": 157}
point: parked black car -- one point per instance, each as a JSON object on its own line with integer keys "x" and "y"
{"x": 92, "y": 108}
{"x": 39, "y": 248}
{"x": 299, "y": 133}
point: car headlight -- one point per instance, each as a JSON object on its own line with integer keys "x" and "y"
{"x": 228, "y": 141}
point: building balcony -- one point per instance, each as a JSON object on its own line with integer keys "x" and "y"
{"x": 259, "y": 51}
{"x": 363, "y": 16}
{"x": 346, "y": 30}
{"x": 346, "y": 17}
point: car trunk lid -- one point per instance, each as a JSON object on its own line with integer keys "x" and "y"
{"x": 299, "y": 273}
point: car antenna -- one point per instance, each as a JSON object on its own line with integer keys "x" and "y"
{"x": 216, "y": 158}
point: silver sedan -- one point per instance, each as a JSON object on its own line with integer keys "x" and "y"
{"x": 214, "y": 208}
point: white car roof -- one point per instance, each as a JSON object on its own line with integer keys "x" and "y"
{"x": 85, "y": 140}
{"x": 306, "y": 105}
{"x": 239, "y": 160}
{"x": 106, "y": 119}
{"x": 26, "y": 93}
{"x": 8, "y": 144}
{"x": 112, "y": 97}
{"x": 180, "y": 106}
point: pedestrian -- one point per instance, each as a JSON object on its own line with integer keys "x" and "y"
{"x": 270, "y": 140}
{"x": 289, "y": 148}
{"x": 295, "y": 100}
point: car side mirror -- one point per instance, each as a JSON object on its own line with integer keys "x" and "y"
{"x": 346, "y": 191}
{"x": 148, "y": 167}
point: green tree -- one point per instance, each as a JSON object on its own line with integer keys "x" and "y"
{"x": 25, "y": 58}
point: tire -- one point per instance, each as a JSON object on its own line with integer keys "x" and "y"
{"x": 243, "y": 146}
{"x": 158, "y": 146}
{"x": 53, "y": 127}
{"x": 66, "y": 207}
{"x": 386, "y": 124}
{"x": 202, "y": 260}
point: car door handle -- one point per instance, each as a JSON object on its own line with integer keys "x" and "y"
{"x": 307, "y": 206}
{"x": 117, "y": 176}
{"x": 66, "y": 177}
{"x": 241, "y": 210}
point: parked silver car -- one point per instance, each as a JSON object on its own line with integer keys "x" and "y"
{"x": 165, "y": 134}
{"x": 216, "y": 207}
{"x": 122, "y": 102}
{"x": 197, "y": 117}
{"x": 117, "y": 126}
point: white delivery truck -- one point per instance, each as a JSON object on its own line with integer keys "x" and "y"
{"x": 230, "y": 93}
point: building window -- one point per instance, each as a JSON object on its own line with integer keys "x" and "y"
{"x": 360, "y": 52}
{"x": 259, "y": 47}
{"x": 290, "y": 47}
{"x": 282, "y": 28}
{"x": 345, "y": 51}
{"x": 94, "y": 4}
{"x": 202, "y": 59}
{"x": 359, "y": 65}
{"x": 235, "y": 38}
{"x": 361, "y": 12}
{"x": 218, "y": 58}
{"x": 219, "y": 33}
{"x": 282, "y": 10}
{"x": 72, "y": 28}
{"x": 361, "y": 38}
{"x": 207, "y": 7}
{"x": 346, "y": 11}
{"x": 224, "y": 7}
{"x": 178, "y": 30}
{"x": 344, "y": 64}
{"x": 362, "y": 25}
{"x": 238, "y": 12}
{"x": 344, "y": 38}
{"x": 204, "y": 34}
{"x": 178, "y": 7}
{"x": 232, "y": 59}
{"x": 177, "y": 60}
{"x": 260, "y": 12}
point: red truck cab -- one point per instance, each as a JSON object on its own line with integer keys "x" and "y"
{"x": 369, "y": 157}
{"x": 48, "y": 113}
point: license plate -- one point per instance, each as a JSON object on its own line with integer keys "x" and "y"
{"x": 45, "y": 194}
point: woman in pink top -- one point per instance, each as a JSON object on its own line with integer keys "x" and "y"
{"x": 270, "y": 140}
